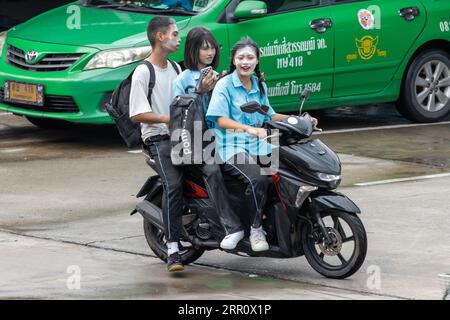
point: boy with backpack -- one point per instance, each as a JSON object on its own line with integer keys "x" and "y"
{"x": 150, "y": 98}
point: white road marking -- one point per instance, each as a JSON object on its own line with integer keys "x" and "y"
{"x": 431, "y": 176}
{"x": 6, "y": 114}
{"x": 399, "y": 126}
{"x": 12, "y": 150}
{"x": 23, "y": 141}
{"x": 135, "y": 151}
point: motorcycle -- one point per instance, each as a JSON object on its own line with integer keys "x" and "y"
{"x": 304, "y": 215}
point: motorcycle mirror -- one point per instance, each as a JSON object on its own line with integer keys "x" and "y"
{"x": 263, "y": 109}
{"x": 306, "y": 93}
{"x": 251, "y": 107}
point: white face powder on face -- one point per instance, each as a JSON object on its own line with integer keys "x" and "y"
{"x": 173, "y": 42}
{"x": 171, "y": 45}
{"x": 245, "y": 61}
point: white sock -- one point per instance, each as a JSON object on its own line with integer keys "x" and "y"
{"x": 260, "y": 229}
{"x": 172, "y": 247}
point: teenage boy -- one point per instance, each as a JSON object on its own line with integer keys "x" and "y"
{"x": 163, "y": 35}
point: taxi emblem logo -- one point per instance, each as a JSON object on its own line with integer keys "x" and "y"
{"x": 367, "y": 47}
{"x": 366, "y": 19}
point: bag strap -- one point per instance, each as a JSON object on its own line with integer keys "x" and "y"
{"x": 151, "y": 83}
{"x": 175, "y": 66}
{"x": 186, "y": 90}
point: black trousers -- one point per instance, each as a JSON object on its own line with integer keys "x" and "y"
{"x": 172, "y": 178}
{"x": 173, "y": 181}
{"x": 245, "y": 168}
{"x": 218, "y": 194}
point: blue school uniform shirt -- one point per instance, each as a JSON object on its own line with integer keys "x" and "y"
{"x": 189, "y": 78}
{"x": 228, "y": 95}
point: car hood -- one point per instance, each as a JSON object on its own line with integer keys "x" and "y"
{"x": 98, "y": 28}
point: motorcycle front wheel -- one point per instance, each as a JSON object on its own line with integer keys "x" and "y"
{"x": 156, "y": 240}
{"x": 346, "y": 252}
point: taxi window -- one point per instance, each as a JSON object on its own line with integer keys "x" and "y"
{"x": 274, "y": 6}
{"x": 201, "y": 5}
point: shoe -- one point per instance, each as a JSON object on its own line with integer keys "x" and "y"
{"x": 258, "y": 240}
{"x": 230, "y": 241}
{"x": 174, "y": 262}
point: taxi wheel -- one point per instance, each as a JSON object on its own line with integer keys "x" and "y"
{"x": 45, "y": 123}
{"x": 425, "y": 94}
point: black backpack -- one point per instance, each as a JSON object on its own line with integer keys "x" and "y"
{"x": 187, "y": 126}
{"x": 118, "y": 107}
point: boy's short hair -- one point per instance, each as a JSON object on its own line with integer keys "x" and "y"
{"x": 158, "y": 24}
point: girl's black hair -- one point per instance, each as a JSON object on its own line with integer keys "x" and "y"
{"x": 248, "y": 42}
{"x": 196, "y": 38}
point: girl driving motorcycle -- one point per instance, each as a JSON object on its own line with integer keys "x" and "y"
{"x": 237, "y": 132}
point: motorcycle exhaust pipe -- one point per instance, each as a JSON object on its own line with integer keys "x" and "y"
{"x": 151, "y": 212}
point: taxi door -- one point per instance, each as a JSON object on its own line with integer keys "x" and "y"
{"x": 372, "y": 39}
{"x": 296, "y": 46}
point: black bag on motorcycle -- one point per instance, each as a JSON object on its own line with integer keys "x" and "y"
{"x": 187, "y": 126}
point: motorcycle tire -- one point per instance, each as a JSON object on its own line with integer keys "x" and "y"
{"x": 156, "y": 242}
{"x": 356, "y": 260}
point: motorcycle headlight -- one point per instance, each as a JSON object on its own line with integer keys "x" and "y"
{"x": 328, "y": 177}
{"x": 2, "y": 42}
{"x": 117, "y": 58}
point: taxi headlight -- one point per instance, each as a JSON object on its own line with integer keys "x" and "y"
{"x": 117, "y": 58}
{"x": 2, "y": 42}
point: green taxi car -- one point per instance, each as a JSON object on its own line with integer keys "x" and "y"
{"x": 64, "y": 64}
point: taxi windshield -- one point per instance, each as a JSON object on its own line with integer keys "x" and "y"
{"x": 154, "y": 6}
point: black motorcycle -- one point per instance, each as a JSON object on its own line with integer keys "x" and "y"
{"x": 303, "y": 214}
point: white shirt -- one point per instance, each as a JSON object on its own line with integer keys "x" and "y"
{"x": 161, "y": 96}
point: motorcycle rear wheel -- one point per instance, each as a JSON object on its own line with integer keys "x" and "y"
{"x": 316, "y": 252}
{"x": 157, "y": 243}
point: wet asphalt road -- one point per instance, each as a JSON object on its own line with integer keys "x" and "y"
{"x": 65, "y": 197}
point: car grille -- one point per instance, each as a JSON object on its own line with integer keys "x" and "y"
{"x": 51, "y": 104}
{"x": 50, "y": 62}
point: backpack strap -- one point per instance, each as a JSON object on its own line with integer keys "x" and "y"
{"x": 186, "y": 90}
{"x": 151, "y": 83}
{"x": 175, "y": 66}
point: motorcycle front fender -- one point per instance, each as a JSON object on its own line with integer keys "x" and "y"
{"x": 334, "y": 201}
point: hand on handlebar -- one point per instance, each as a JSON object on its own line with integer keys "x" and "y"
{"x": 259, "y": 132}
{"x": 270, "y": 136}
{"x": 315, "y": 122}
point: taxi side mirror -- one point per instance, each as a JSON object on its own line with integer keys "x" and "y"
{"x": 250, "y": 9}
